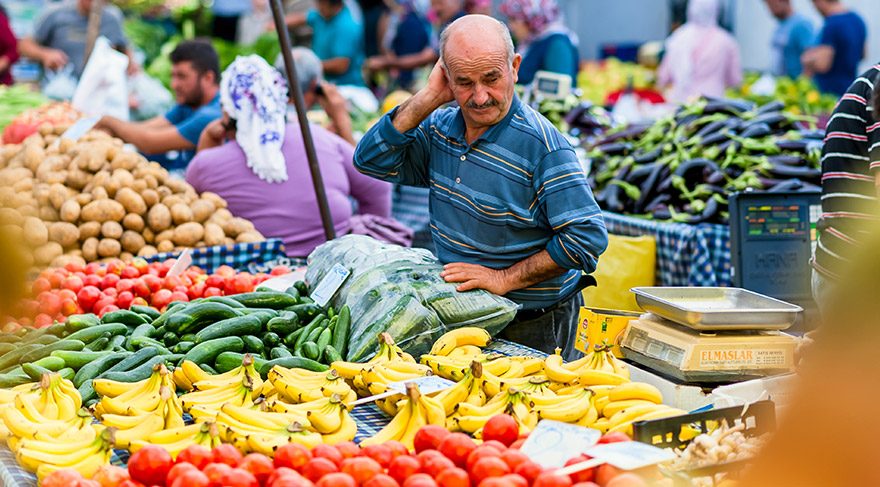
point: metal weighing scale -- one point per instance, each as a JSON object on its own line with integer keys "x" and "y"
{"x": 711, "y": 335}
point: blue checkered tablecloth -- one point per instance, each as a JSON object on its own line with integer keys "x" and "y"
{"x": 687, "y": 255}
{"x": 238, "y": 256}
{"x": 368, "y": 418}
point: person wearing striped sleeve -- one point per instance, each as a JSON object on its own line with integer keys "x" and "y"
{"x": 850, "y": 181}
{"x": 511, "y": 210}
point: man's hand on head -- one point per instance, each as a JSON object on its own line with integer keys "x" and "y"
{"x": 438, "y": 87}
{"x": 473, "y": 276}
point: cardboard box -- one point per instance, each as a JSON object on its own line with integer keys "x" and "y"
{"x": 597, "y": 326}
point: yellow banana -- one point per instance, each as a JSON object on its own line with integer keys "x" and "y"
{"x": 32, "y": 459}
{"x": 600, "y": 377}
{"x": 346, "y": 432}
{"x": 393, "y": 430}
{"x": 636, "y": 390}
{"x": 629, "y": 414}
{"x": 417, "y": 419}
{"x": 466, "y": 335}
{"x": 627, "y": 427}
{"x": 554, "y": 370}
{"x": 328, "y": 419}
{"x": 531, "y": 365}
{"x": 87, "y": 466}
{"x": 615, "y": 407}
{"x": 465, "y": 351}
{"x": 173, "y": 435}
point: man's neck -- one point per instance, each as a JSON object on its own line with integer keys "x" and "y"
{"x": 837, "y": 8}
{"x": 471, "y": 135}
{"x": 210, "y": 93}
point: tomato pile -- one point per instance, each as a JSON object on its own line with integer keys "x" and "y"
{"x": 440, "y": 459}
{"x": 100, "y": 288}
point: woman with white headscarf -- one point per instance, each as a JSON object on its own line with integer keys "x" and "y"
{"x": 701, "y": 58}
{"x": 256, "y": 160}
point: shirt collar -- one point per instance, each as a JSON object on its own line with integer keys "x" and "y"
{"x": 457, "y": 128}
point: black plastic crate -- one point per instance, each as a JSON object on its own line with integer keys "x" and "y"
{"x": 759, "y": 418}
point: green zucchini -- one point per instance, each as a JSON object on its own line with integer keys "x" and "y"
{"x": 341, "y": 331}
{"x": 124, "y": 316}
{"x": 116, "y": 342}
{"x": 189, "y": 337}
{"x": 67, "y": 373}
{"x": 148, "y": 311}
{"x": 293, "y": 291}
{"x": 266, "y": 299}
{"x": 134, "y": 359}
{"x": 141, "y": 372}
{"x": 290, "y": 363}
{"x": 142, "y": 330}
{"x": 7, "y": 347}
{"x": 227, "y": 361}
{"x": 12, "y": 379}
{"x": 35, "y": 370}
{"x": 253, "y": 345}
{"x": 79, "y": 322}
{"x": 206, "y": 352}
{"x": 207, "y": 368}
{"x": 170, "y": 339}
{"x": 146, "y": 342}
{"x": 77, "y": 360}
{"x": 169, "y": 312}
{"x": 302, "y": 287}
{"x": 279, "y": 352}
{"x": 316, "y": 331}
{"x": 195, "y": 317}
{"x": 95, "y": 332}
{"x": 183, "y": 347}
{"x": 98, "y": 366}
{"x": 44, "y": 351}
{"x": 237, "y": 326}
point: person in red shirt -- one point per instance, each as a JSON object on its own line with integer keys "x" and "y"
{"x": 8, "y": 49}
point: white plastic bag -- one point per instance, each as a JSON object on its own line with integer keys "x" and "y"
{"x": 60, "y": 85}
{"x": 103, "y": 88}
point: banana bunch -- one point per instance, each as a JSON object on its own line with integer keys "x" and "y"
{"x": 187, "y": 374}
{"x": 466, "y": 336}
{"x": 388, "y": 352}
{"x": 85, "y": 454}
{"x": 46, "y": 411}
{"x": 138, "y": 424}
{"x": 377, "y": 378}
{"x": 469, "y": 389}
{"x": 620, "y": 406}
{"x": 471, "y": 419}
{"x": 299, "y": 385}
{"x": 328, "y": 416}
{"x": 576, "y": 407}
{"x": 175, "y": 440}
{"x": 256, "y": 431}
{"x": 600, "y": 367}
{"x": 415, "y": 411}
{"x": 494, "y": 365}
{"x": 121, "y": 398}
{"x": 239, "y": 387}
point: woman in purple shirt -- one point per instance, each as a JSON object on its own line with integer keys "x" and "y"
{"x": 256, "y": 161}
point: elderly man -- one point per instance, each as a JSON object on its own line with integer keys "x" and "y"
{"x": 511, "y": 210}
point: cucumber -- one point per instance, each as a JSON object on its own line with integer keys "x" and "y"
{"x": 225, "y": 300}
{"x": 99, "y": 344}
{"x": 206, "y": 352}
{"x": 306, "y": 300}
{"x": 79, "y": 322}
{"x": 263, "y": 313}
{"x": 207, "y": 368}
{"x": 134, "y": 359}
{"x": 303, "y": 337}
{"x": 7, "y": 347}
{"x": 115, "y": 343}
{"x": 95, "y": 332}
{"x": 253, "y": 345}
{"x": 341, "y": 331}
{"x": 331, "y": 313}
{"x": 124, "y": 316}
{"x": 240, "y": 325}
{"x": 293, "y": 291}
{"x": 280, "y": 352}
{"x": 98, "y": 366}
{"x": 227, "y": 361}
{"x": 43, "y": 340}
{"x": 13, "y": 379}
{"x": 183, "y": 347}
{"x": 302, "y": 287}
{"x": 316, "y": 331}
{"x": 87, "y": 392}
{"x": 305, "y": 311}
{"x": 44, "y": 351}
{"x": 148, "y": 311}
{"x": 271, "y": 339}
{"x": 142, "y": 330}
{"x": 195, "y": 317}
{"x": 9, "y": 338}
{"x": 264, "y": 299}
{"x": 331, "y": 354}
{"x": 141, "y": 372}
{"x": 324, "y": 339}
{"x": 310, "y": 351}
{"x": 67, "y": 373}
{"x": 291, "y": 363}
{"x": 169, "y": 312}
{"x": 170, "y": 339}
{"x": 34, "y": 371}
{"x": 189, "y": 337}
{"x": 146, "y": 342}
{"x": 40, "y": 336}
{"x": 290, "y": 340}
{"x": 285, "y": 324}
{"x": 77, "y": 360}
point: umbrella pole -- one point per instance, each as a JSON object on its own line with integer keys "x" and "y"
{"x": 93, "y": 28}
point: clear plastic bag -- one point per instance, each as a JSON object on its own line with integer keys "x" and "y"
{"x": 399, "y": 290}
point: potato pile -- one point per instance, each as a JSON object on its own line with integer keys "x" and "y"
{"x": 92, "y": 200}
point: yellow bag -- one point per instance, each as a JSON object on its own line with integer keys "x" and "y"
{"x": 627, "y": 263}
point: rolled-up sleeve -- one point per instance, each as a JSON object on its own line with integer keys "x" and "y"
{"x": 385, "y": 153}
{"x": 566, "y": 199}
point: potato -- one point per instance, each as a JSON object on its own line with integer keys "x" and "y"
{"x": 109, "y": 247}
{"x": 123, "y": 178}
{"x": 64, "y": 145}
{"x": 70, "y": 211}
{"x": 201, "y": 210}
{"x": 151, "y": 197}
{"x": 89, "y": 230}
{"x": 58, "y": 194}
{"x": 164, "y": 192}
{"x": 126, "y": 256}
{"x": 63, "y": 260}
{"x": 139, "y": 185}
{"x": 35, "y": 232}
{"x": 46, "y": 253}
{"x": 100, "y": 193}
{"x": 111, "y": 230}
{"x": 76, "y": 179}
{"x": 133, "y": 222}
{"x": 149, "y": 236}
{"x": 214, "y": 235}
{"x": 165, "y": 235}
{"x": 236, "y": 226}
{"x": 49, "y": 214}
{"x": 132, "y": 241}
{"x": 131, "y": 201}
{"x": 230, "y": 241}
{"x": 102, "y": 211}
{"x": 214, "y": 198}
{"x": 28, "y": 210}
{"x": 33, "y": 156}
{"x": 221, "y": 215}
{"x": 181, "y": 214}
{"x": 249, "y": 237}
{"x": 23, "y": 185}
{"x": 147, "y": 250}
{"x": 159, "y": 217}
{"x": 7, "y": 196}
{"x": 126, "y": 160}
{"x": 177, "y": 185}
{"x": 188, "y": 234}
{"x": 165, "y": 246}
{"x": 172, "y": 200}
{"x": 151, "y": 181}
{"x": 8, "y": 216}
{"x": 66, "y": 234}
{"x": 83, "y": 199}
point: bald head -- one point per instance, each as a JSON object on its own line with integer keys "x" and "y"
{"x": 474, "y": 36}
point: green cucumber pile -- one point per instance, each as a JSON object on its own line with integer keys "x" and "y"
{"x": 276, "y": 328}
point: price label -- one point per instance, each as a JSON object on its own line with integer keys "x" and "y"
{"x": 79, "y": 128}
{"x": 552, "y": 443}
{"x": 324, "y": 291}
{"x": 427, "y": 385}
{"x": 630, "y": 455}
{"x": 184, "y": 260}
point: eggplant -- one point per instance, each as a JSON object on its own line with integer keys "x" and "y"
{"x": 641, "y": 172}
{"x": 793, "y": 184}
{"x": 712, "y": 128}
{"x": 774, "y": 120}
{"x": 616, "y": 148}
{"x": 793, "y": 145}
{"x": 650, "y": 156}
{"x": 723, "y": 105}
{"x": 787, "y": 160}
{"x": 662, "y": 212}
{"x": 631, "y": 132}
{"x": 715, "y": 178}
{"x": 709, "y": 211}
{"x": 727, "y": 143}
{"x": 756, "y": 131}
{"x": 812, "y": 134}
{"x": 715, "y": 139}
{"x": 657, "y": 202}
{"x": 649, "y": 187}
{"x": 773, "y": 106}
{"x": 695, "y": 171}
{"x": 808, "y": 174}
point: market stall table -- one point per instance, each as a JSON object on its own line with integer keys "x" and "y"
{"x": 687, "y": 255}
{"x": 368, "y": 418}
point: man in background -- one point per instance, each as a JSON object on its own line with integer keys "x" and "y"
{"x": 835, "y": 60}
{"x": 792, "y": 37}
{"x": 338, "y": 39}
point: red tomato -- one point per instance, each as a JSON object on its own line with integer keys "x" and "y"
{"x": 67, "y": 294}
{"x": 196, "y": 291}
{"x": 69, "y": 307}
{"x": 397, "y": 448}
{"x": 130, "y": 483}
{"x": 92, "y": 280}
{"x": 604, "y": 473}
{"x": 429, "y": 437}
{"x": 244, "y": 283}
{"x": 288, "y": 474}
{"x": 110, "y": 292}
{"x": 513, "y": 458}
{"x": 150, "y": 465}
{"x": 171, "y": 282}
{"x": 177, "y": 470}
{"x": 73, "y": 267}
{"x": 115, "y": 266}
{"x": 179, "y": 296}
{"x": 501, "y": 447}
{"x": 457, "y": 447}
{"x": 488, "y": 467}
{"x": 190, "y": 478}
{"x": 259, "y": 465}
{"x": 214, "y": 280}
{"x": 585, "y": 484}
{"x": 614, "y": 437}
{"x": 140, "y": 289}
{"x": 43, "y": 320}
{"x": 197, "y": 455}
{"x": 160, "y": 298}
{"x": 237, "y": 477}
{"x": 453, "y": 477}
{"x": 153, "y": 282}
{"x": 420, "y": 480}
{"x": 328, "y": 452}
{"x": 139, "y": 302}
{"x": 381, "y": 453}
{"x": 317, "y": 467}
{"x": 403, "y": 467}
{"x": 125, "y": 285}
{"x": 227, "y": 454}
{"x": 212, "y": 291}
{"x": 292, "y": 455}
{"x": 73, "y": 283}
{"x": 215, "y": 471}
{"x": 381, "y": 480}
{"x": 180, "y": 289}
{"x": 336, "y": 479}
{"x": 129, "y": 272}
{"x": 479, "y": 452}
{"x": 552, "y": 479}
{"x": 518, "y": 443}
{"x": 110, "y": 280}
{"x": 361, "y": 468}
{"x": 55, "y": 280}
{"x": 50, "y": 303}
{"x": 124, "y": 299}
{"x": 225, "y": 271}
{"x": 350, "y": 449}
{"x": 514, "y": 480}
{"x": 30, "y": 307}
{"x": 501, "y": 427}
{"x": 87, "y": 483}
{"x": 436, "y": 464}
{"x": 529, "y": 470}
{"x": 92, "y": 268}
{"x": 107, "y": 309}
{"x": 140, "y": 264}
{"x": 110, "y": 475}
{"x": 584, "y": 475}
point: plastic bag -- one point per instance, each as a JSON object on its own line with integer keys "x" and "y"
{"x": 152, "y": 98}
{"x": 399, "y": 290}
{"x": 103, "y": 86}
{"x": 60, "y": 85}
{"x": 627, "y": 263}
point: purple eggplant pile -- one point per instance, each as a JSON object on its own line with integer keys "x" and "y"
{"x": 682, "y": 167}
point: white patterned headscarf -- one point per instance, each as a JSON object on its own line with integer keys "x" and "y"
{"x": 255, "y": 94}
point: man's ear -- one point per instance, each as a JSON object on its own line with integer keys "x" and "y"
{"x": 517, "y": 60}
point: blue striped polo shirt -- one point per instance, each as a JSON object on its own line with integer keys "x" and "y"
{"x": 516, "y": 190}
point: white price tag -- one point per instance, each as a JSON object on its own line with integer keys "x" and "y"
{"x": 630, "y": 455}
{"x": 324, "y": 291}
{"x": 552, "y": 443}
{"x": 184, "y": 260}
{"x": 428, "y": 384}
